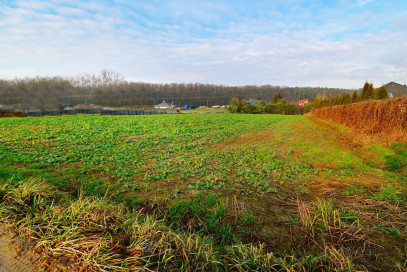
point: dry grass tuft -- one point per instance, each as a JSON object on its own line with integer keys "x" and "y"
{"x": 320, "y": 225}
{"x": 385, "y": 120}
{"x": 338, "y": 259}
{"x": 252, "y": 258}
{"x": 322, "y": 219}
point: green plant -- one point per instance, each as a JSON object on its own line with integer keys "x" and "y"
{"x": 353, "y": 190}
{"x": 394, "y": 232}
{"x": 389, "y": 192}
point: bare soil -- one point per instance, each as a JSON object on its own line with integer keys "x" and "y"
{"x": 15, "y": 256}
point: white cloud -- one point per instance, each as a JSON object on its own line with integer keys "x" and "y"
{"x": 52, "y": 38}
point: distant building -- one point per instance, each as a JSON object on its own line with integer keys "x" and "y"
{"x": 252, "y": 102}
{"x": 395, "y": 88}
{"x": 164, "y": 105}
{"x": 303, "y": 102}
{"x": 189, "y": 107}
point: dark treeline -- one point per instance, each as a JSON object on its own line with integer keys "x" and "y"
{"x": 367, "y": 92}
{"x": 109, "y": 89}
{"x": 277, "y": 105}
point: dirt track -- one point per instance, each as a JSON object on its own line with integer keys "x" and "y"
{"x": 12, "y": 257}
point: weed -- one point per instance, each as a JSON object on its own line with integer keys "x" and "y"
{"x": 348, "y": 217}
{"x": 399, "y": 159}
{"x": 394, "y": 232}
{"x": 9, "y": 175}
{"x": 353, "y": 190}
{"x": 248, "y": 218}
{"x": 375, "y": 254}
{"x": 175, "y": 193}
{"x": 389, "y": 192}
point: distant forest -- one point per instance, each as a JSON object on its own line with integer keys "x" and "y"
{"x": 109, "y": 89}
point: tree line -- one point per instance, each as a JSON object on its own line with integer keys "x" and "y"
{"x": 277, "y": 105}
{"x": 367, "y": 92}
{"x": 110, "y": 89}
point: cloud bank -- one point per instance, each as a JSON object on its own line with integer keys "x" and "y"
{"x": 292, "y": 43}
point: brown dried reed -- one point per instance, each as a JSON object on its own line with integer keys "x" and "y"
{"x": 385, "y": 120}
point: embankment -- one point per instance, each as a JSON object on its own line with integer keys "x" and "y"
{"x": 381, "y": 119}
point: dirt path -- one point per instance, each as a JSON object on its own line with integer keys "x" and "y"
{"x": 14, "y": 258}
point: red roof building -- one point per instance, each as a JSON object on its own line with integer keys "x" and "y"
{"x": 303, "y": 102}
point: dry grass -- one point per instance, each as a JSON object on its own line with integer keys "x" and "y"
{"x": 92, "y": 234}
{"x": 322, "y": 226}
{"x": 385, "y": 120}
{"x": 326, "y": 219}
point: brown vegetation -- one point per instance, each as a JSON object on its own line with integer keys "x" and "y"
{"x": 11, "y": 114}
{"x": 383, "y": 119}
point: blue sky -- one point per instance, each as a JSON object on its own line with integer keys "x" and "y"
{"x": 288, "y": 42}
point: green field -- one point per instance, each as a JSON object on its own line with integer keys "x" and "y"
{"x": 202, "y": 192}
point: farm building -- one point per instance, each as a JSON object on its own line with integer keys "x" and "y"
{"x": 395, "y": 88}
{"x": 164, "y": 105}
{"x": 303, "y": 102}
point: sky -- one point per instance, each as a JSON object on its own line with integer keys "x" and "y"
{"x": 339, "y": 44}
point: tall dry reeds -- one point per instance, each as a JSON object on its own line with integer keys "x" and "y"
{"x": 382, "y": 119}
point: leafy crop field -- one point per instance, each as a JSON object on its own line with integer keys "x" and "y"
{"x": 202, "y": 192}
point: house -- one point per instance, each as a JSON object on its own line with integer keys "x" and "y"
{"x": 395, "y": 88}
{"x": 303, "y": 102}
{"x": 252, "y": 102}
{"x": 164, "y": 105}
